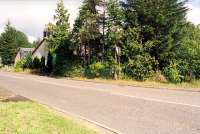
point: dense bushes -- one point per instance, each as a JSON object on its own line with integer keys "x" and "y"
{"x": 99, "y": 69}
{"x": 140, "y": 68}
{"x": 36, "y": 64}
{"x": 24, "y": 63}
{"x": 173, "y": 74}
{"x": 31, "y": 63}
{"x": 69, "y": 69}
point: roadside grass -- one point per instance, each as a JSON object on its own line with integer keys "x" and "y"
{"x": 32, "y": 118}
{"x": 194, "y": 85}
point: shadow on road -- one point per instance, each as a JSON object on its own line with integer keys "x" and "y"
{"x": 15, "y": 98}
{"x": 8, "y": 96}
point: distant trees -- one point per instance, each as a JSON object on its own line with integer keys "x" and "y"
{"x": 10, "y": 40}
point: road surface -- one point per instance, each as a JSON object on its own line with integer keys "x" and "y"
{"x": 124, "y": 109}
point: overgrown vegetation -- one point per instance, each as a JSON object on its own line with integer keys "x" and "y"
{"x": 132, "y": 39}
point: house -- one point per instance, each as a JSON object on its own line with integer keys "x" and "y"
{"x": 23, "y": 52}
{"x": 41, "y": 50}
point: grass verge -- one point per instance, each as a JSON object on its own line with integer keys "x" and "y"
{"x": 193, "y": 86}
{"x": 32, "y": 118}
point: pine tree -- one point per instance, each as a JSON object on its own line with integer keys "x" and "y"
{"x": 87, "y": 29}
{"x": 60, "y": 31}
{"x": 10, "y": 41}
{"x": 160, "y": 22}
{"x": 59, "y": 39}
{"x": 115, "y": 29}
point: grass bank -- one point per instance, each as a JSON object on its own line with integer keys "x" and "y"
{"x": 32, "y": 118}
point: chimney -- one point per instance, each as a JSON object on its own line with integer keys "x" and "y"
{"x": 45, "y": 33}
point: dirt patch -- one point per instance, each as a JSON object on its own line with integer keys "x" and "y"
{"x": 15, "y": 98}
{"x": 8, "y": 96}
{"x": 5, "y": 93}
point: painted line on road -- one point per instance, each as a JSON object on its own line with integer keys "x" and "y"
{"x": 118, "y": 94}
{"x": 114, "y": 131}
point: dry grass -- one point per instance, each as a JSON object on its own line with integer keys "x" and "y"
{"x": 194, "y": 86}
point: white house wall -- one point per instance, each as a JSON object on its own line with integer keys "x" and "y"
{"x": 41, "y": 52}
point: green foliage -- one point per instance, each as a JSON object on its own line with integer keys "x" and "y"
{"x": 42, "y": 65}
{"x": 138, "y": 39}
{"x": 89, "y": 31}
{"x": 74, "y": 70}
{"x": 49, "y": 67}
{"x": 99, "y": 69}
{"x": 158, "y": 76}
{"x": 173, "y": 74}
{"x": 28, "y": 63}
{"x": 188, "y": 54}
{"x": 10, "y": 41}
{"x": 19, "y": 65}
{"x": 58, "y": 32}
{"x": 141, "y": 67}
{"x": 8, "y": 45}
{"x": 36, "y": 63}
{"x": 196, "y": 68}
{"x": 160, "y": 22}
{"x": 25, "y": 63}
{"x": 22, "y": 40}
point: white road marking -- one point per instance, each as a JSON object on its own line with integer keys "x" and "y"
{"x": 119, "y": 94}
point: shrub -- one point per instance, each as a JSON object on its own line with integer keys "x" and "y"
{"x": 99, "y": 69}
{"x": 28, "y": 63}
{"x": 188, "y": 69}
{"x": 24, "y": 63}
{"x": 68, "y": 68}
{"x": 42, "y": 64}
{"x": 19, "y": 65}
{"x": 141, "y": 67}
{"x": 184, "y": 69}
{"x": 74, "y": 71}
{"x": 159, "y": 77}
{"x": 36, "y": 63}
{"x": 49, "y": 67}
{"x": 173, "y": 74}
{"x": 95, "y": 69}
{"x": 196, "y": 68}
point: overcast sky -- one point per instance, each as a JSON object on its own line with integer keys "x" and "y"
{"x": 30, "y": 16}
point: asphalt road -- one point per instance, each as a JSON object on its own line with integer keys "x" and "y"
{"x": 128, "y": 110}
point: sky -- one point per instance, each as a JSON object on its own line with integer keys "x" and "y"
{"x": 30, "y": 16}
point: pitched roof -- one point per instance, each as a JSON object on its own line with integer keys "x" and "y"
{"x": 38, "y": 46}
